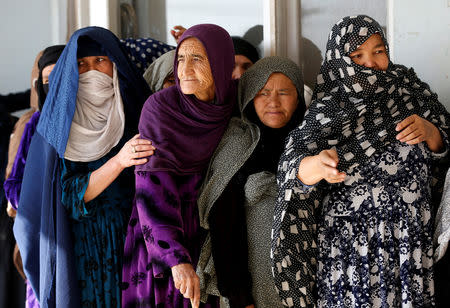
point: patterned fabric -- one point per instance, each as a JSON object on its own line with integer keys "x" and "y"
{"x": 355, "y": 110}
{"x": 98, "y": 229}
{"x": 163, "y": 231}
{"x": 441, "y": 236}
{"x": 143, "y": 51}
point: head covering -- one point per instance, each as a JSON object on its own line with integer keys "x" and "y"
{"x": 184, "y": 129}
{"x": 355, "y": 109}
{"x": 42, "y": 227}
{"x": 49, "y": 56}
{"x": 159, "y": 70}
{"x": 99, "y": 121}
{"x": 244, "y": 48}
{"x": 56, "y": 118}
{"x": 247, "y": 147}
{"x": 271, "y": 143}
{"x": 87, "y": 47}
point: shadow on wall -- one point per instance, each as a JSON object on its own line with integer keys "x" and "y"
{"x": 312, "y": 56}
{"x": 254, "y": 35}
{"x": 311, "y": 62}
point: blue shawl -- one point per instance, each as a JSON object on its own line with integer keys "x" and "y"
{"x": 42, "y": 227}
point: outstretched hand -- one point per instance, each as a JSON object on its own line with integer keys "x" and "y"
{"x": 322, "y": 166}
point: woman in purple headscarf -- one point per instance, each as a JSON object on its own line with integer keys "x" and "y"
{"x": 185, "y": 123}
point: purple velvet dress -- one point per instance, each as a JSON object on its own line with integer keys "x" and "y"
{"x": 164, "y": 231}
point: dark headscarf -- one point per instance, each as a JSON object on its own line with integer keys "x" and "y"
{"x": 355, "y": 109}
{"x": 49, "y": 56}
{"x": 244, "y": 48}
{"x": 184, "y": 129}
{"x": 42, "y": 227}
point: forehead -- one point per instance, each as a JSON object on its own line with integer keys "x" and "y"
{"x": 373, "y": 40}
{"x": 191, "y": 45}
{"x": 279, "y": 80}
{"x": 241, "y": 59}
{"x": 47, "y": 70}
{"x": 92, "y": 58}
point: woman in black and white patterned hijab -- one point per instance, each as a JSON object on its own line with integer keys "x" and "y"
{"x": 355, "y": 181}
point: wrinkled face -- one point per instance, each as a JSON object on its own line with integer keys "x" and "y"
{"x": 372, "y": 54}
{"x": 98, "y": 63}
{"x": 241, "y": 64}
{"x": 169, "y": 81}
{"x": 194, "y": 71}
{"x": 276, "y": 101}
{"x": 46, "y": 72}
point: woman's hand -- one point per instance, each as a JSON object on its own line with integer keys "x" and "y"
{"x": 177, "y": 32}
{"x": 415, "y": 129}
{"x": 187, "y": 281}
{"x": 134, "y": 152}
{"x": 315, "y": 168}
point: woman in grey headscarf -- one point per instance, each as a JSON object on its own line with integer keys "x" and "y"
{"x": 237, "y": 199}
{"x": 159, "y": 75}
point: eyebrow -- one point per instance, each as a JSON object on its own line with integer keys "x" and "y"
{"x": 192, "y": 55}
{"x": 379, "y": 45}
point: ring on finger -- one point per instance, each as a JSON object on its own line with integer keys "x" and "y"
{"x": 133, "y": 149}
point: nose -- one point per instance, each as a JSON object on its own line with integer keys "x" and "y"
{"x": 186, "y": 68}
{"x": 370, "y": 62}
{"x": 274, "y": 100}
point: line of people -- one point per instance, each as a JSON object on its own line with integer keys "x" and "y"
{"x": 176, "y": 183}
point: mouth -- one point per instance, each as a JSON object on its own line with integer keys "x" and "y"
{"x": 273, "y": 113}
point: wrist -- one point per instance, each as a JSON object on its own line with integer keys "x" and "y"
{"x": 435, "y": 143}
{"x": 116, "y": 164}
{"x": 307, "y": 171}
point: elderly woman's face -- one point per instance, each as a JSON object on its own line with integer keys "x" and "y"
{"x": 194, "y": 71}
{"x": 372, "y": 54}
{"x": 276, "y": 101}
{"x": 98, "y": 63}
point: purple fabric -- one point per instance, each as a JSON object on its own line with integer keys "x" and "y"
{"x": 13, "y": 184}
{"x": 185, "y": 130}
{"x": 164, "y": 231}
{"x": 32, "y": 301}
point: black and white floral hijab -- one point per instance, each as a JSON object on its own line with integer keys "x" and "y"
{"x": 355, "y": 110}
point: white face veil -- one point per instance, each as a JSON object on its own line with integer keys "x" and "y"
{"x": 99, "y": 120}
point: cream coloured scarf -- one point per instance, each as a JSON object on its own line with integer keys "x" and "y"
{"x": 99, "y": 119}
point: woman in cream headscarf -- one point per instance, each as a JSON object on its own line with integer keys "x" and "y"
{"x": 77, "y": 191}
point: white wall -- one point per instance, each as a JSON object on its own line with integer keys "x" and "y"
{"x": 25, "y": 29}
{"x": 421, "y": 39}
{"x": 236, "y": 16}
